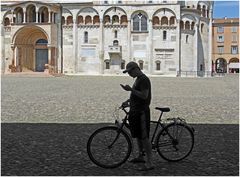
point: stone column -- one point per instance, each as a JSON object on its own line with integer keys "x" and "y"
{"x": 101, "y": 46}
{"x": 24, "y": 16}
{"x": 129, "y": 41}
{"x": 75, "y": 60}
{"x": 12, "y": 12}
{"x": 178, "y": 48}
{"x": 195, "y": 59}
{"x": 150, "y": 44}
{"x": 37, "y": 15}
{"x": 2, "y": 54}
{"x": 49, "y": 17}
{"x": 209, "y": 60}
{"x": 50, "y": 67}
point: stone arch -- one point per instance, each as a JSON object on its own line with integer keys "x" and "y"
{"x": 25, "y": 49}
{"x": 18, "y": 13}
{"x": 172, "y": 20}
{"x": 69, "y": 20}
{"x": 139, "y": 21}
{"x": 114, "y": 11}
{"x": 31, "y": 13}
{"x": 6, "y": 21}
{"x": 43, "y": 14}
{"x": 187, "y": 25}
{"x": 96, "y": 19}
{"x": 164, "y": 12}
{"x": 88, "y": 20}
{"x": 123, "y": 20}
{"x": 164, "y": 20}
{"x": 156, "y": 20}
{"x": 115, "y": 19}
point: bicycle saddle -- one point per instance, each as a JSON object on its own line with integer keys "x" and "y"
{"x": 166, "y": 109}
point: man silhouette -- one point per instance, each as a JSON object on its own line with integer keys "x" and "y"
{"x": 139, "y": 113}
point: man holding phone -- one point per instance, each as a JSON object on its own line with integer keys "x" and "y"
{"x": 139, "y": 114}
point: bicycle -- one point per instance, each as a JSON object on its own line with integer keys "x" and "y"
{"x": 111, "y": 146}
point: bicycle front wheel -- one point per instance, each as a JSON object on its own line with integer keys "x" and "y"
{"x": 109, "y": 147}
{"x": 175, "y": 142}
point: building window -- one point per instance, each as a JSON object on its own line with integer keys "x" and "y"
{"x": 119, "y": 2}
{"x": 220, "y": 49}
{"x": 234, "y": 38}
{"x": 123, "y": 64}
{"x": 105, "y": 2}
{"x": 234, "y": 49}
{"x": 234, "y": 29}
{"x": 220, "y": 29}
{"x": 220, "y": 38}
{"x": 139, "y": 22}
{"x": 158, "y": 65}
{"x": 202, "y": 26}
{"x": 141, "y": 64}
{"x": 85, "y": 37}
{"x": 164, "y": 35}
{"x": 41, "y": 42}
{"x": 115, "y": 43}
{"x": 107, "y": 64}
{"x": 201, "y": 67}
{"x": 115, "y": 34}
{"x": 186, "y": 38}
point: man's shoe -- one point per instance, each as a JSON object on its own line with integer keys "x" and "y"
{"x": 137, "y": 160}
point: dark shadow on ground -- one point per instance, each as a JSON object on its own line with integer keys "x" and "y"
{"x": 60, "y": 150}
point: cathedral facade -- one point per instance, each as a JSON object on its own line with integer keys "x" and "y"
{"x": 101, "y": 37}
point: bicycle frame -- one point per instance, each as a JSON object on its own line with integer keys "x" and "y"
{"x": 155, "y": 131}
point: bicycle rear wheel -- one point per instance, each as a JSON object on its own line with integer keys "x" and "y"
{"x": 175, "y": 142}
{"x": 109, "y": 147}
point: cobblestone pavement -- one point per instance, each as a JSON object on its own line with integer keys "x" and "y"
{"x": 92, "y": 99}
{"x": 60, "y": 150}
{"x": 46, "y": 122}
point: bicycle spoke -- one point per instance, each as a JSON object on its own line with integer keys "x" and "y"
{"x": 175, "y": 143}
{"x": 108, "y": 148}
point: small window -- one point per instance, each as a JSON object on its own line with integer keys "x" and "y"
{"x": 115, "y": 43}
{"x": 220, "y": 29}
{"x": 234, "y": 29}
{"x": 202, "y": 25}
{"x": 105, "y": 2}
{"x": 164, "y": 35}
{"x": 186, "y": 38}
{"x": 220, "y": 49}
{"x": 123, "y": 64}
{"x": 220, "y": 38}
{"x": 234, "y": 38}
{"x": 234, "y": 49}
{"x": 158, "y": 65}
{"x": 85, "y": 37}
{"x": 107, "y": 64}
{"x": 41, "y": 42}
{"x": 115, "y": 34}
{"x": 201, "y": 67}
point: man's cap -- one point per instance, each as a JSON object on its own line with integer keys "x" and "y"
{"x": 131, "y": 65}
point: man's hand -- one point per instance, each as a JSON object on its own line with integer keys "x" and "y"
{"x": 126, "y": 87}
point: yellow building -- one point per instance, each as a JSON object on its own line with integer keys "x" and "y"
{"x": 225, "y": 45}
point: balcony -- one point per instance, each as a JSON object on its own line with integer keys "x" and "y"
{"x": 114, "y": 49}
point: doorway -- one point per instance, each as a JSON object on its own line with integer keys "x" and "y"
{"x": 41, "y": 59}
